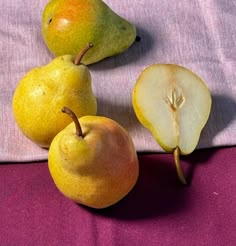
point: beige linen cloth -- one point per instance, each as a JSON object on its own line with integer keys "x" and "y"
{"x": 198, "y": 34}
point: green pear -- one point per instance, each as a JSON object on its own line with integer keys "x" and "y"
{"x": 174, "y": 104}
{"x": 44, "y": 90}
{"x": 93, "y": 161}
{"x": 67, "y": 25}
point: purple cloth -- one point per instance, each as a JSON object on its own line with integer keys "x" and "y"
{"x": 158, "y": 211}
{"x": 198, "y": 34}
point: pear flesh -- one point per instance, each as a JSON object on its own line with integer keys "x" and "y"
{"x": 67, "y": 25}
{"x": 43, "y": 91}
{"x": 174, "y": 104}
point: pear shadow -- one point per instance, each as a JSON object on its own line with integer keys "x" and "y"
{"x": 223, "y": 112}
{"x": 157, "y": 192}
{"x": 141, "y": 47}
{"x": 121, "y": 113}
{"x": 192, "y": 161}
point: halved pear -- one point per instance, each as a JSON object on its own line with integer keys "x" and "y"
{"x": 174, "y": 104}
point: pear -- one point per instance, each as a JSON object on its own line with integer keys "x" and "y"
{"x": 93, "y": 161}
{"x": 67, "y": 25}
{"x": 174, "y": 104}
{"x": 39, "y": 94}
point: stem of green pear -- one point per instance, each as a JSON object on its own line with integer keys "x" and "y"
{"x": 179, "y": 169}
{"x": 138, "y": 39}
{"x": 78, "y": 128}
{"x": 82, "y": 53}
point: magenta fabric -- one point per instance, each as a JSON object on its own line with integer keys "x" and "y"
{"x": 158, "y": 211}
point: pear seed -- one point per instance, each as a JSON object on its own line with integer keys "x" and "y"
{"x": 175, "y": 100}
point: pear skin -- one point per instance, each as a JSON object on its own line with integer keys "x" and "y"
{"x": 67, "y": 25}
{"x": 43, "y": 91}
{"x": 94, "y": 164}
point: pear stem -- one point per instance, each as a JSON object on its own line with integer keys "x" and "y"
{"x": 68, "y": 111}
{"x": 179, "y": 169}
{"x": 82, "y": 53}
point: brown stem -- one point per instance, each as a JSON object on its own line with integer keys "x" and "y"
{"x": 178, "y": 166}
{"x": 82, "y": 53}
{"x": 79, "y": 132}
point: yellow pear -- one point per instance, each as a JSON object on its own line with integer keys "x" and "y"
{"x": 174, "y": 104}
{"x": 39, "y": 94}
{"x": 93, "y": 161}
{"x": 67, "y": 25}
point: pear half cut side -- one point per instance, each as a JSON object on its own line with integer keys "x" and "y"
{"x": 174, "y": 104}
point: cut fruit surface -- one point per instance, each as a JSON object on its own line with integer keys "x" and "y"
{"x": 174, "y": 104}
